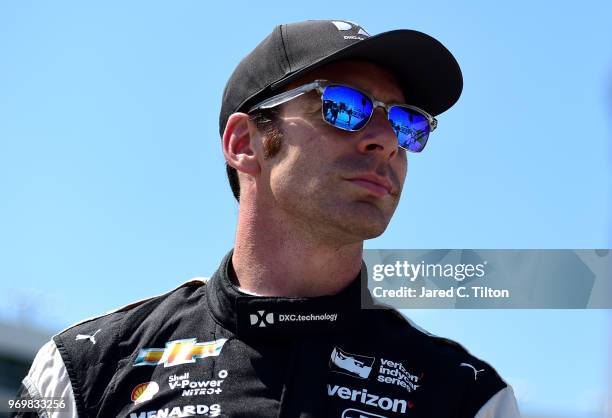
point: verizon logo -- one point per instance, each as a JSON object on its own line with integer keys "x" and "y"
{"x": 362, "y": 396}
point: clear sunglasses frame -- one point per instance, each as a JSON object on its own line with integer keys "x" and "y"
{"x": 320, "y": 85}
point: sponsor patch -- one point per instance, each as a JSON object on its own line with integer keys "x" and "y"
{"x": 354, "y": 365}
{"x": 144, "y": 392}
{"x": 179, "y": 352}
{"x": 369, "y": 399}
{"x": 346, "y": 25}
{"x": 181, "y": 411}
{"x": 193, "y": 387}
{"x": 394, "y": 373}
{"x": 327, "y": 317}
{"x": 340, "y": 25}
{"x": 261, "y": 318}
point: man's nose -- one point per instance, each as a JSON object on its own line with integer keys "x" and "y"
{"x": 378, "y": 136}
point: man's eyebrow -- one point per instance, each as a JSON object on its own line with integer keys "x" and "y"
{"x": 385, "y": 99}
{"x": 390, "y": 99}
{"x": 372, "y": 95}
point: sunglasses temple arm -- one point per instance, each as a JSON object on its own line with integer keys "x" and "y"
{"x": 285, "y": 97}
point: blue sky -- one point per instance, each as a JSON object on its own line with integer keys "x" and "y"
{"x": 113, "y": 187}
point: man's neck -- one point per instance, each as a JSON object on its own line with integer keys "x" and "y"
{"x": 273, "y": 259}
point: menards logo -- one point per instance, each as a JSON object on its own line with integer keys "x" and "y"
{"x": 199, "y": 410}
{"x": 179, "y": 352}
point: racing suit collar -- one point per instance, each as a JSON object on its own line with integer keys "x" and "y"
{"x": 245, "y": 314}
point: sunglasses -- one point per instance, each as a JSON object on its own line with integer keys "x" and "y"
{"x": 350, "y": 109}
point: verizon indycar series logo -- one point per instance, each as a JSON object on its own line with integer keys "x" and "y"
{"x": 352, "y": 364}
{"x": 394, "y": 373}
{"x": 179, "y": 352}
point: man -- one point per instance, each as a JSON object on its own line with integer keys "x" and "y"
{"x": 279, "y": 329}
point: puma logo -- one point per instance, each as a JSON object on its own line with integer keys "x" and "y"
{"x": 473, "y": 368}
{"x": 88, "y": 337}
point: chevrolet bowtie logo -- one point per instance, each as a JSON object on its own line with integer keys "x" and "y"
{"x": 179, "y": 352}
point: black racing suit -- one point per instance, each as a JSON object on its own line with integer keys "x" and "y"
{"x": 207, "y": 349}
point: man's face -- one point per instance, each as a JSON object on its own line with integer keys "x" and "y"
{"x": 324, "y": 179}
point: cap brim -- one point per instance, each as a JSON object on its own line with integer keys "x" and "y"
{"x": 428, "y": 73}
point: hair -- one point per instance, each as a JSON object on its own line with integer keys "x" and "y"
{"x": 267, "y": 122}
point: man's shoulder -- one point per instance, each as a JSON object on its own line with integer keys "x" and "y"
{"x": 444, "y": 354}
{"x": 443, "y": 364}
{"x": 111, "y": 328}
{"x": 403, "y": 328}
{"x": 84, "y": 358}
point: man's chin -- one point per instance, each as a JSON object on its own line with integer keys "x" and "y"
{"x": 366, "y": 223}
{"x": 374, "y": 233}
{"x": 363, "y": 231}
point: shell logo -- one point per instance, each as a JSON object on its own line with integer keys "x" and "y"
{"x": 144, "y": 392}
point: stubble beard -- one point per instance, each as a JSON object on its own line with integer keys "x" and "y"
{"x": 335, "y": 218}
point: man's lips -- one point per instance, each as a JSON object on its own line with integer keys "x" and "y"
{"x": 377, "y": 185}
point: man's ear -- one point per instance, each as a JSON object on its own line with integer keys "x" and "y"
{"x": 238, "y": 147}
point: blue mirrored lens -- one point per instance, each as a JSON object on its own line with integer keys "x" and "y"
{"x": 346, "y": 108}
{"x": 411, "y": 128}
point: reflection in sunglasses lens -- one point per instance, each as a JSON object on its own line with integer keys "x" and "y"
{"x": 349, "y": 109}
{"x": 346, "y": 108}
{"x": 411, "y": 128}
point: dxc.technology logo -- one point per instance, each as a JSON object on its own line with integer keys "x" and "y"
{"x": 262, "y": 319}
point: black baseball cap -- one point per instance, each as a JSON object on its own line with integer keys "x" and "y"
{"x": 428, "y": 73}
